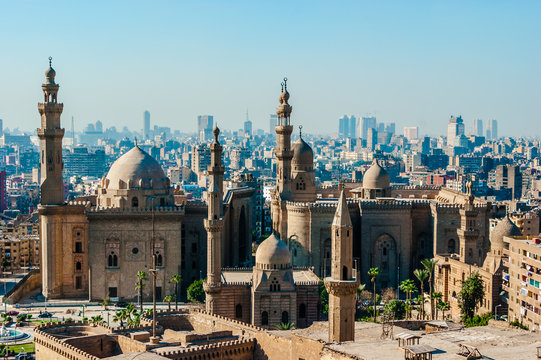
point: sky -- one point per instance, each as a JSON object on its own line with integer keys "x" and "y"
{"x": 415, "y": 63}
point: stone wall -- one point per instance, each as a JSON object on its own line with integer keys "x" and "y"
{"x": 29, "y": 283}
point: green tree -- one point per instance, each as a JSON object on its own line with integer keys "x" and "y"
{"x": 374, "y": 272}
{"x": 429, "y": 266}
{"x": 324, "y": 298}
{"x": 421, "y": 275}
{"x": 168, "y": 300}
{"x": 106, "y": 301}
{"x": 176, "y": 279}
{"x": 95, "y": 320}
{"x": 196, "y": 292}
{"x": 120, "y": 316}
{"x": 139, "y": 285}
{"x": 443, "y": 307}
{"x": 471, "y": 295}
{"x": 397, "y": 308}
{"x": 408, "y": 286}
{"x": 436, "y": 299}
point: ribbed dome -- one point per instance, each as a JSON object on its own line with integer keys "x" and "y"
{"x": 136, "y": 169}
{"x": 504, "y": 228}
{"x": 376, "y": 177}
{"x": 302, "y": 153}
{"x": 273, "y": 251}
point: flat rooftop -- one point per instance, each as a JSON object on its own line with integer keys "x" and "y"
{"x": 300, "y": 276}
{"x": 493, "y": 342}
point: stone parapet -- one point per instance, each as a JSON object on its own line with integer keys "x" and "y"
{"x": 237, "y": 349}
{"x": 341, "y": 287}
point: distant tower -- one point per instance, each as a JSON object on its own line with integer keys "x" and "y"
{"x": 247, "y": 125}
{"x": 283, "y": 151}
{"x": 50, "y": 136}
{"x": 146, "y": 124}
{"x": 214, "y": 224}
{"x": 341, "y": 285}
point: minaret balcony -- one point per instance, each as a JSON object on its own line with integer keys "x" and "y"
{"x": 341, "y": 287}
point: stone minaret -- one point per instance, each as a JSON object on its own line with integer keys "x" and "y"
{"x": 283, "y": 151}
{"x": 214, "y": 224}
{"x": 468, "y": 233}
{"x": 50, "y": 135}
{"x": 341, "y": 286}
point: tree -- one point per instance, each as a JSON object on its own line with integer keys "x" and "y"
{"x": 421, "y": 275}
{"x": 397, "y": 308}
{"x": 168, "y": 300}
{"x": 374, "y": 272}
{"x": 141, "y": 276}
{"x": 436, "y": 299}
{"x": 408, "y": 286}
{"x": 443, "y": 307}
{"x": 120, "y": 316}
{"x": 176, "y": 279}
{"x": 285, "y": 326}
{"x": 106, "y": 301}
{"x": 196, "y": 292}
{"x": 95, "y": 320}
{"x": 429, "y": 265}
{"x": 471, "y": 295}
{"x": 324, "y": 298}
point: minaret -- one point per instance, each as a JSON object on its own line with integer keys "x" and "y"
{"x": 468, "y": 233}
{"x": 341, "y": 285}
{"x": 214, "y": 223}
{"x": 50, "y": 136}
{"x": 283, "y": 151}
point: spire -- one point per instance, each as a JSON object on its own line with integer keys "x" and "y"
{"x": 216, "y": 132}
{"x": 300, "y": 131}
{"x": 284, "y": 109}
{"x": 341, "y": 217}
{"x": 50, "y": 73}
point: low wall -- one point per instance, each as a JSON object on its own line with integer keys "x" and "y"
{"x": 29, "y": 283}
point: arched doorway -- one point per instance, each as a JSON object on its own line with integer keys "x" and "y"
{"x": 385, "y": 260}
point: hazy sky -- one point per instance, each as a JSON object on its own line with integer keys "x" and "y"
{"x": 414, "y": 63}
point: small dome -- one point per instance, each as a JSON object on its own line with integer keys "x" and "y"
{"x": 138, "y": 168}
{"x": 302, "y": 153}
{"x": 376, "y": 177}
{"x": 50, "y": 74}
{"x": 272, "y": 251}
{"x": 504, "y": 228}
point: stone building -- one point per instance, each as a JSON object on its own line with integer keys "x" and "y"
{"x": 94, "y": 246}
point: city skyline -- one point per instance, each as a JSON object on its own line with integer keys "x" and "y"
{"x": 165, "y": 62}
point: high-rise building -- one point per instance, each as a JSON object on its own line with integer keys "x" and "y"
{"x": 200, "y": 158}
{"x": 343, "y": 126}
{"x": 477, "y": 128}
{"x": 492, "y": 129}
{"x": 204, "y": 126}
{"x": 367, "y": 123}
{"x": 1, "y": 127}
{"x": 390, "y": 128}
{"x": 247, "y": 125}
{"x": 273, "y": 121}
{"x": 352, "y": 127}
{"x": 455, "y": 128}
{"x": 380, "y": 127}
{"x": 371, "y": 138}
{"x": 411, "y": 132}
{"x": 510, "y": 177}
{"x": 146, "y": 124}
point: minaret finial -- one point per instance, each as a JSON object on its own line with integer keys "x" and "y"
{"x": 50, "y": 61}
{"x": 136, "y": 141}
{"x": 300, "y": 131}
{"x": 282, "y": 86}
{"x": 216, "y": 132}
{"x": 285, "y": 84}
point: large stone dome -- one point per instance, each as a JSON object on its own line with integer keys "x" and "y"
{"x": 302, "y": 153}
{"x": 504, "y": 228}
{"x": 376, "y": 177}
{"x": 136, "y": 169}
{"x": 272, "y": 254}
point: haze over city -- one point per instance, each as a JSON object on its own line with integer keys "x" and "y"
{"x": 413, "y": 63}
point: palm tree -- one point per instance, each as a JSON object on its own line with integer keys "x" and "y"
{"x": 374, "y": 272}
{"x": 176, "y": 279}
{"x": 436, "y": 299}
{"x": 429, "y": 265}
{"x": 95, "y": 320}
{"x": 408, "y": 286}
{"x": 421, "y": 275}
{"x": 141, "y": 276}
{"x": 168, "y": 300}
{"x": 443, "y": 306}
{"x": 120, "y": 316}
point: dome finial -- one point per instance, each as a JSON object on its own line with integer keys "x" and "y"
{"x": 216, "y": 132}
{"x": 285, "y": 84}
{"x": 136, "y": 142}
{"x": 50, "y": 61}
{"x": 300, "y": 131}
{"x": 50, "y": 73}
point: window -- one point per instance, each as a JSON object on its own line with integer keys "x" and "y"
{"x": 238, "y": 311}
{"x": 78, "y": 282}
{"x": 134, "y": 251}
{"x": 264, "y": 318}
{"x": 302, "y": 311}
{"x": 159, "y": 259}
{"x": 344, "y": 272}
{"x": 135, "y": 201}
{"x": 113, "y": 292}
{"x": 78, "y": 247}
{"x": 162, "y": 202}
{"x": 451, "y": 247}
{"x": 78, "y": 266}
{"x": 112, "y": 260}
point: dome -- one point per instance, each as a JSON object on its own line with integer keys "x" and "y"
{"x": 376, "y": 177}
{"x": 302, "y": 153}
{"x": 136, "y": 168}
{"x": 272, "y": 251}
{"x": 504, "y": 228}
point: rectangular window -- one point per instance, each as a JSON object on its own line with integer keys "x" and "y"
{"x": 78, "y": 247}
{"x": 78, "y": 282}
{"x": 113, "y": 292}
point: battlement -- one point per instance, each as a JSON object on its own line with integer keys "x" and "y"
{"x": 175, "y": 210}
{"x": 220, "y": 350}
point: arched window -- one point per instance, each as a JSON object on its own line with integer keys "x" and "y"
{"x": 264, "y": 318}
{"x": 135, "y": 201}
{"x": 302, "y": 311}
{"x": 238, "y": 311}
{"x": 115, "y": 260}
{"x": 159, "y": 260}
{"x": 451, "y": 246}
{"x": 78, "y": 266}
{"x": 162, "y": 202}
{"x": 285, "y": 317}
{"x": 344, "y": 272}
{"x": 110, "y": 261}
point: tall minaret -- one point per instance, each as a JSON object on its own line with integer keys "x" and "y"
{"x": 283, "y": 151}
{"x": 341, "y": 285}
{"x": 214, "y": 224}
{"x": 468, "y": 233}
{"x": 50, "y": 135}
